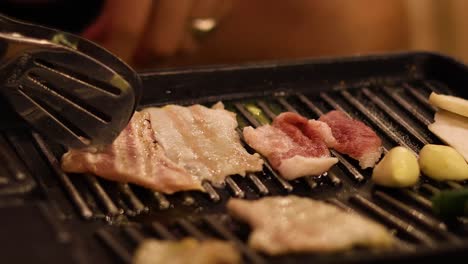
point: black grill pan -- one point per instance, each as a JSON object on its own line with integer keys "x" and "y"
{"x": 100, "y": 221}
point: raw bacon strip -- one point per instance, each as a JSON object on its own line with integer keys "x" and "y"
{"x": 135, "y": 157}
{"x": 354, "y": 138}
{"x": 315, "y": 131}
{"x": 292, "y": 224}
{"x": 204, "y": 141}
{"x": 294, "y": 146}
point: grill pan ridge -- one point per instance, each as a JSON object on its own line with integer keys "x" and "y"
{"x": 102, "y": 221}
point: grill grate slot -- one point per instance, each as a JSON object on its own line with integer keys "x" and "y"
{"x": 74, "y": 194}
{"x": 111, "y": 242}
{"x": 54, "y": 218}
{"x": 311, "y": 182}
{"x": 339, "y": 204}
{"x": 134, "y": 233}
{"x": 237, "y": 191}
{"x": 420, "y": 200}
{"x": 385, "y": 216}
{"x": 162, "y": 200}
{"x": 14, "y": 176}
{"x": 286, "y": 105}
{"x": 266, "y": 110}
{"x": 397, "y": 118}
{"x": 429, "y": 188}
{"x": 11, "y": 162}
{"x": 214, "y": 196}
{"x": 407, "y": 106}
{"x": 356, "y": 175}
{"x": 333, "y": 103}
{"x": 136, "y": 204}
{"x": 191, "y": 229}
{"x": 285, "y": 184}
{"x": 215, "y": 225}
{"x": 104, "y": 198}
{"x": 247, "y": 115}
{"x": 430, "y": 223}
{"x": 436, "y": 87}
{"x": 454, "y": 185}
{"x": 261, "y": 188}
{"x": 419, "y": 96}
{"x": 334, "y": 179}
{"x": 162, "y": 231}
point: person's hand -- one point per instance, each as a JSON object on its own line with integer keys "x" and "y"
{"x": 150, "y": 29}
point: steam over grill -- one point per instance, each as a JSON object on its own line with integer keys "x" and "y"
{"x": 395, "y": 107}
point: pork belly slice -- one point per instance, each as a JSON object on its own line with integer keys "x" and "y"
{"x": 188, "y": 250}
{"x": 354, "y": 138}
{"x": 203, "y": 140}
{"x": 294, "y": 146}
{"x": 134, "y": 157}
{"x": 291, "y": 224}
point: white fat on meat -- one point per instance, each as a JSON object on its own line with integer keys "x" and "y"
{"x": 299, "y": 166}
{"x": 324, "y": 131}
{"x": 291, "y": 224}
{"x": 134, "y": 157}
{"x": 294, "y": 146}
{"x": 203, "y": 140}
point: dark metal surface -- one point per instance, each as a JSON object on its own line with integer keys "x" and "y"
{"x": 62, "y": 92}
{"x": 386, "y": 92}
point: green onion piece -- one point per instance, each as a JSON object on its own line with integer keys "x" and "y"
{"x": 257, "y": 113}
{"x": 451, "y": 203}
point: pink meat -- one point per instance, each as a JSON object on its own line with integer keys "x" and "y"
{"x": 354, "y": 138}
{"x": 293, "y": 145}
{"x": 308, "y": 138}
{"x": 134, "y": 157}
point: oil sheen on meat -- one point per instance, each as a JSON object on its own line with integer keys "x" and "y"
{"x": 203, "y": 141}
{"x": 134, "y": 157}
{"x": 294, "y": 146}
{"x": 354, "y": 138}
{"x": 291, "y": 224}
{"x": 186, "y": 251}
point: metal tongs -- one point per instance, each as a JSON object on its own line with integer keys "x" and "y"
{"x": 67, "y": 88}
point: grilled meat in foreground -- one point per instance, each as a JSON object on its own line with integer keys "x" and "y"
{"x": 354, "y": 138}
{"x": 189, "y": 250}
{"x": 134, "y": 157}
{"x": 294, "y": 146}
{"x": 292, "y": 224}
{"x": 203, "y": 140}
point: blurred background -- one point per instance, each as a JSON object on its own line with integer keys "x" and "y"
{"x": 167, "y": 33}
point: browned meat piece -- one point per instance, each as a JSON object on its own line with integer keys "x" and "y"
{"x": 134, "y": 157}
